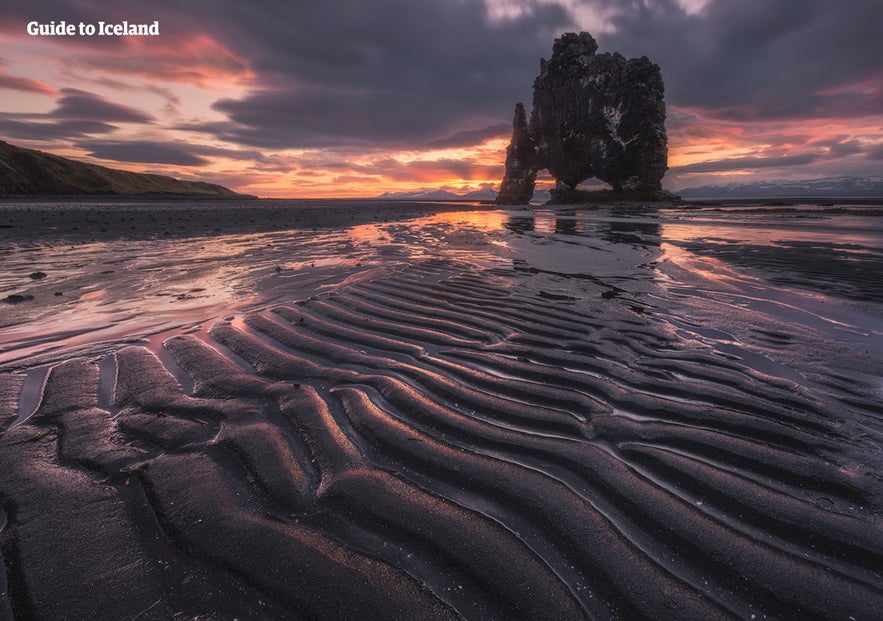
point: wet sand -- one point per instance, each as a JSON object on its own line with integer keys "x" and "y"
{"x": 487, "y": 414}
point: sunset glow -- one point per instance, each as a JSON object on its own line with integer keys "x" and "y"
{"x": 261, "y": 101}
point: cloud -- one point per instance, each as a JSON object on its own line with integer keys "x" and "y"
{"x": 392, "y": 73}
{"x": 130, "y": 87}
{"x": 24, "y": 85}
{"x": 743, "y": 163}
{"x": 233, "y": 154}
{"x": 82, "y": 105}
{"x": 350, "y": 179}
{"x": 327, "y": 116}
{"x": 152, "y": 152}
{"x": 13, "y": 127}
{"x": 447, "y": 67}
{"x": 77, "y": 114}
{"x": 335, "y": 73}
{"x": 143, "y": 152}
{"x": 191, "y": 59}
{"x": 353, "y": 82}
{"x": 471, "y": 137}
{"x": 755, "y": 60}
{"x": 838, "y": 146}
{"x": 340, "y": 75}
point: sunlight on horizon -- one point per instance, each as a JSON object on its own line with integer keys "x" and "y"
{"x": 171, "y": 89}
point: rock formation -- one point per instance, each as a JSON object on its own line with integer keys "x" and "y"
{"x": 521, "y": 166}
{"x": 594, "y": 115}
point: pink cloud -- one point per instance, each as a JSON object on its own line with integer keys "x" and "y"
{"x": 195, "y": 59}
{"x": 25, "y": 85}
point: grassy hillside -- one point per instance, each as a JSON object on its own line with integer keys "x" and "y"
{"x": 35, "y": 173}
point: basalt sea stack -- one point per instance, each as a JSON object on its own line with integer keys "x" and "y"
{"x": 594, "y": 115}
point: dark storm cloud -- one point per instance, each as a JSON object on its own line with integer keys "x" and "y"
{"x": 148, "y": 152}
{"x": 143, "y": 152}
{"x": 13, "y": 127}
{"x": 390, "y": 72}
{"x": 840, "y": 146}
{"x": 434, "y": 74}
{"x": 82, "y": 105}
{"x": 756, "y": 60}
{"x": 77, "y": 114}
{"x": 405, "y": 73}
{"x": 326, "y": 116}
{"x": 875, "y": 152}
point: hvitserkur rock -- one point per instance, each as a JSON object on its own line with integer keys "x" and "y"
{"x": 594, "y": 115}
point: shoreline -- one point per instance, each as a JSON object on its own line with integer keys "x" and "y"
{"x": 91, "y": 220}
{"x": 87, "y": 219}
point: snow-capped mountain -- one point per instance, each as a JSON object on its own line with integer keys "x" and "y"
{"x": 829, "y": 186}
{"x": 421, "y": 195}
{"x": 440, "y": 195}
{"x": 446, "y": 195}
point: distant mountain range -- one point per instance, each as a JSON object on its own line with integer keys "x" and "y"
{"x": 440, "y": 195}
{"x": 859, "y": 187}
{"x": 827, "y": 187}
{"x": 446, "y": 195}
{"x": 26, "y": 172}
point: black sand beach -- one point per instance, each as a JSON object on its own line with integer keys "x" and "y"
{"x": 413, "y": 411}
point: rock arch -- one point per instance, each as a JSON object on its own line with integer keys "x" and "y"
{"x": 594, "y": 115}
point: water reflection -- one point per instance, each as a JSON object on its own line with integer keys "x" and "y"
{"x": 519, "y": 224}
{"x": 838, "y": 255}
{"x": 114, "y": 289}
{"x": 635, "y": 232}
{"x": 104, "y": 291}
{"x": 98, "y": 291}
{"x": 643, "y": 232}
{"x": 566, "y": 226}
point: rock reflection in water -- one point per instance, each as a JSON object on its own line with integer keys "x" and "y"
{"x": 642, "y": 233}
{"x": 618, "y": 231}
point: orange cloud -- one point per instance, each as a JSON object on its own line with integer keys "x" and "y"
{"x": 196, "y": 59}
{"x": 25, "y": 85}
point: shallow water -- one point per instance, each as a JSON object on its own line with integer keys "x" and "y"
{"x": 800, "y": 265}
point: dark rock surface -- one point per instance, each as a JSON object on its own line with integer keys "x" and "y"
{"x": 521, "y": 163}
{"x": 594, "y": 115}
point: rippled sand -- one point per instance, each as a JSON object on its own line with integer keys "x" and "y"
{"x": 487, "y": 414}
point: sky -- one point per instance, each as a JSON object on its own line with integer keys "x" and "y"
{"x": 345, "y": 98}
